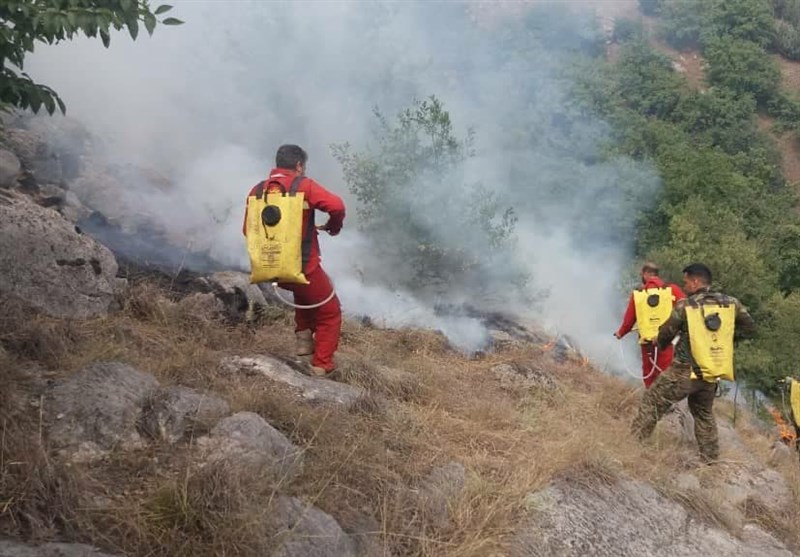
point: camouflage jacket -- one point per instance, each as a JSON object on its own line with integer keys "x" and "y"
{"x": 677, "y": 324}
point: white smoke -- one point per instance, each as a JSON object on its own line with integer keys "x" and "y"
{"x": 208, "y": 103}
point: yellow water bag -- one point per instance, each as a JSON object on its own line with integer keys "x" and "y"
{"x": 653, "y": 308}
{"x": 794, "y": 400}
{"x": 275, "y": 235}
{"x": 711, "y": 327}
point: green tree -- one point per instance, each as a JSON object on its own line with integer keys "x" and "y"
{"x": 24, "y": 23}
{"x": 416, "y": 204}
{"x": 682, "y": 23}
{"x": 743, "y": 67}
{"x": 787, "y": 10}
{"x": 787, "y": 40}
{"x": 650, "y": 7}
{"x": 745, "y": 20}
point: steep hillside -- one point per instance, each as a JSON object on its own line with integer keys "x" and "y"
{"x": 690, "y": 63}
{"x": 418, "y": 451}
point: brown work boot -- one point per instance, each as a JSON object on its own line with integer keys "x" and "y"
{"x": 304, "y": 343}
{"x": 319, "y": 371}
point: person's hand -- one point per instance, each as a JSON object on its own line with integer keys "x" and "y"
{"x": 325, "y": 228}
{"x": 617, "y": 336}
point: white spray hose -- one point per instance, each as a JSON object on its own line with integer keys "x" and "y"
{"x": 637, "y": 376}
{"x": 297, "y": 306}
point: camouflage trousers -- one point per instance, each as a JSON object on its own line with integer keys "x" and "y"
{"x": 671, "y": 387}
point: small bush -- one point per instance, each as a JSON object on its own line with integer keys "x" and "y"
{"x": 650, "y": 7}
{"x": 787, "y": 40}
{"x": 743, "y": 67}
{"x": 628, "y": 29}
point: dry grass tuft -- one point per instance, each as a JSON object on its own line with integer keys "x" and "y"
{"x": 704, "y": 506}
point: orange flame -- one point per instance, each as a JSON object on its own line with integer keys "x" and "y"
{"x": 787, "y": 433}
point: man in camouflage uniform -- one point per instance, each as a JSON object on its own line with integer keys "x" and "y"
{"x": 677, "y": 382}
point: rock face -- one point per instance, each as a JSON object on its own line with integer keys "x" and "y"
{"x": 629, "y": 518}
{"x": 10, "y": 168}
{"x": 310, "y": 388}
{"x": 301, "y": 530}
{"x": 98, "y": 408}
{"x": 524, "y": 375}
{"x": 37, "y": 155}
{"x": 16, "y": 549}
{"x": 46, "y": 264}
{"x": 246, "y": 442}
{"x": 439, "y": 491}
{"x": 762, "y": 486}
{"x": 176, "y": 413}
{"x": 242, "y": 301}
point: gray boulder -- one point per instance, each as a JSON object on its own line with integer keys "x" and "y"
{"x": 47, "y": 265}
{"x": 242, "y": 301}
{"x": 680, "y": 423}
{"x": 10, "y": 168}
{"x": 17, "y": 549}
{"x": 529, "y": 376}
{"x": 310, "y": 388}
{"x": 763, "y": 486}
{"x": 36, "y": 154}
{"x": 627, "y": 518}
{"x": 98, "y": 409}
{"x": 440, "y": 490}
{"x": 300, "y": 530}
{"x": 176, "y": 413}
{"x": 247, "y": 443}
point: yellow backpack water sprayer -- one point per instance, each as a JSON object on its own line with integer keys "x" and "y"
{"x": 653, "y": 307}
{"x": 277, "y": 247}
{"x": 711, "y": 326}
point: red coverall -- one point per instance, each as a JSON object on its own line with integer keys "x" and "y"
{"x": 664, "y": 357}
{"x": 326, "y": 321}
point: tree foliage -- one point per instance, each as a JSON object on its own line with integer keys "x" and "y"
{"x": 743, "y": 67}
{"x": 723, "y": 199}
{"x": 416, "y": 204}
{"x": 28, "y": 22}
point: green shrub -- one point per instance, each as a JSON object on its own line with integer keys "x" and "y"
{"x": 628, "y": 29}
{"x": 787, "y": 40}
{"x": 742, "y": 67}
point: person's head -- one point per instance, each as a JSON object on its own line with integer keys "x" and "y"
{"x": 695, "y": 277}
{"x": 649, "y": 270}
{"x": 291, "y": 157}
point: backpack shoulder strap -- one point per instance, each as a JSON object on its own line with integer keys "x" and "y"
{"x": 295, "y": 185}
{"x": 258, "y": 191}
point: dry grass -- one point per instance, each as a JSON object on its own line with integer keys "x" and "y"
{"x": 429, "y": 406}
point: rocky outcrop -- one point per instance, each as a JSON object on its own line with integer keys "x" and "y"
{"x": 247, "y": 443}
{"x": 241, "y": 300}
{"x": 98, "y": 409}
{"x": 176, "y": 413}
{"x": 627, "y": 518}
{"x": 46, "y": 264}
{"x": 440, "y": 491}
{"x": 301, "y": 530}
{"x": 10, "y": 168}
{"x": 16, "y": 549}
{"x": 310, "y": 388}
{"x": 525, "y": 375}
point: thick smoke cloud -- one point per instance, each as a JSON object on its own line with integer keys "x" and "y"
{"x": 207, "y": 103}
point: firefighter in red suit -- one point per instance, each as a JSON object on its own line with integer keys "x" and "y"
{"x": 650, "y": 279}
{"x": 317, "y": 330}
